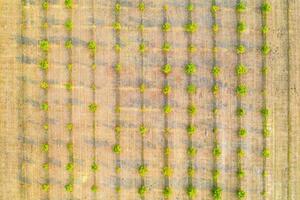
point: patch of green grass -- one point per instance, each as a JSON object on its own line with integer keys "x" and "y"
{"x": 191, "y": 89}
{"x": 242, "y": 132}
{"x": 69, "y": 86}
{"x": 240, "y": 152}
{"x": 190, "y": 68}
{"x": 118, "y": 67}
{"x": 143, "y": 170}
{"x": 216, "y": 174}
{"x": 142, "y": 48}
{"x": 167, "y": 192}
{"x": 191, "y": 109}
{"x": 240, "y": 173}
{"x": 117, "y": 48}
{"x": 241, "y": 27}
{"x": 69, "y": 4}
{"x": 240, "y": 49}
{"x": 265, "y": 29}
{"x": 240, "y": 7}
{"x": 92, "y": 45}
{"x": 69, "y": 187}
{"x": 214, "y": 9}
{"x": 265, "y": 49}
{"x": 143, "y": 130}
{"x": 241, "y": 194}
{"x": 117, "y": 149}
{"x": 265, "y": 7}
{"x": 166, "y": 27}
{"x": 240, "y": 112}
{"x": 191, "y": 129}
{"x": 190, "y": 7}
{"x": 241, "y": 90}
{"x": 167, "y": 109}
{"x": 44, "y": 45}
{"x": 215, "y": 89}
{"x": 191, "y": 48}
{"x": 241, "y": 70}
{"x": 166, "y": 69}
{"x": 215, "y": 28}
{"x": 167, "y": 171}
{"x": 94, "y": 167}
{"x": 266, "y": 132}
{"x": 166, "y": 89}
{"x": 216, "y": 71}
{"x": 266, "y": 153}
{"x": 69, "y": 44}
{"x": 117, "y": 7}
{"x": 142, "y": 190}
{"x": 217, "y": 151}
{"x": 45, "y": 147}
{"x": 216, "y": 193}
{"x": 191, "y": 27}
{"x": 117, "y": 26}
{"x": 166, "y": 47}
{"x": 45, "y": 5}
{"x": 191, "y": 191}
{"x": 141, "y": 6}
{"x": 44, "y": 85}
{"x": 44, "y": 106}
{"x": 93, "y": 107}
{"x": 45, "y": 187}
{"x": 191, "y": 171}
{"x": 191, "y": 151}
{"x": 94, "y": 188}
{"x": 69, "y": 24}
{"x": 70, "y": 167}
{"x": 264, "y": 112}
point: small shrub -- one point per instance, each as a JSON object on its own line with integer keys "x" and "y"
{"x": 240, "y": 112}
{"x": 191, "y": 171}
{"x": 190, "y": 68}
{"x": 46, "y": 166}
{"x": 70, "y": 146}
{"x": 44, "y": 45}
{"x": 240, "y": 153}
{"x": 45, "y": 147}
{"x": 117, "y": 149}
{"x": 141, "y": 27}
{"x": 265, "y": 49}
{"x": 241, "y": 27}
{"x": 241, "y": 69}
{"x": 240, "y": 49}
{"x": 117, "y": 48}
{"x": 69, "y": 86}
{"x": 45, "y": 5}
{"x": 141, "y": 6}
{"x": 215, "y": 89}
{"x": 217, "y": 151}
{"x": 117, "y": 7}
{"x": 92, "y": 46}
{"x": 45, "y": 187}
{"x": 191, "y": 27}
{"x": 118, "y": 67}
{"x": 215, "y": 28}
{"x": 191, "y": 89}
{"x": 165, "y": 7}
{"x": 142, "y": 88}
{"x": 240, "y": 7}
{"x": 216, "y": 174}
{"x": 265, "y": 29}
{"x": 166, "y": 69}
{"x": 214, "y": 9}
{"x": 166, "y": 89}
{"x": 217, "y": 193}
{"x": 143, "y": 170}
{"x": 191, "y": 151}
{"x": 167, "y": 151}
{"x": 240, "y": 173}
{"x": 94, "y": 188}
{"x": 190, "y": 7}
{"x": 44, "y": 106}
{"x": 241, "y": 90}
{"x": 167, "y": 171}
{"x": 166, "y": 47}
{"x": 167, "y": 192}
{"x": 117, "y": 26}
{"x": 68, "y": 4}
{"x": 44, "y": 64}
{"x": 191, "y": 191}
{"x": 242, "y": 132}
{"x": 44, "y": 85}
{"x": 166, "y": 27}
{"x": 142, "y": 190}
{"x": 191, "y": 48}
{"x": 266, "y": 153}
{"x": 70, "y": 167}
{"x": 216, "y": 71}
{"x": 142, "y": 48}
{"x": 167, "y": 109}
{"x": 266, "y": 132}
{"x": 69, "y": 44}
{"x": 69, "y": 24}
{"x": 93, "y": 107}
{"x": 143, "y": 130}
{"x": 241, "y": 194}
{"x": 265, "y": 7}
{"x": 191, "y": 129}
{"x": 69, "y": 187}
{"x": 191, "y": 109}
{"x": 264, "y": 112}
{"x": 94, "y": 167}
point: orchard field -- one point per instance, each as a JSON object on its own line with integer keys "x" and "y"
{"x": 149, "y": 99}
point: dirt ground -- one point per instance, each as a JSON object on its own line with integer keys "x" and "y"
{"x": 21, "y": 132}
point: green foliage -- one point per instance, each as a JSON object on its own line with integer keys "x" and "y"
{"x": 142, "y": 48}
{"x": 69, "y": 187}
{"x": 265, "y": 29}
{"x": 215, "y": 89}
{"x": 167, "y": 192}
{"x": 266, "y": 132}
{"x": 266, "y": 153}
{"x": 191, "y": 129}
{"x": 93, "y": 107}
{"x": 166, "y": 89}
{"x": 44, "y": 106}
{"x": 117, "y": 26}
{"x": 191, "y": 89}
{"x": 241, "y": 69}
{"x": 70, "y": 146}
{"x": 117, "y": 47}
{"x": 241, "y": 194}
{"x": 44, "y": 64}
{"x": 167, "y": 171}
{"x": 191, "y": 191}
{"x": 143, "y": 130}
{"x": 69, "y": 4}
{"x": 214, "y": 9}
{"x": 44, "y": 85}
{"x": 70, "y": 167}
{"x": 69, "y": 24}
{"x": 240, "y": 49}
{"x": 240, "y": 153}
{"x": 141, "y": 6}
{"x": 240, "y": 7}
{"x": 92, "y": 45}
{"x": 44, "y": 45}
{"x": 94, "y": 188}
{"x": 241, "y": 90}
{"x": 191, "y": 171}
{"x": 265, "y": 49}
{"x": 143, "y": 170}
{"x": 69, "y": 86}
{"x": 216, "y": 193}
{"x": 240, "y": 112}
{"x": 190, "y": 68}
{"x": 216, "y": 71}
{"x": 142, "y": 190}
{"x": 69, "y": 44}
{"x": 117, "y": 7}
{"x": 191, "y": 151}
{"x": 166, "y": 69}
{"x": 117, "y": 149}
{"x": 45, "y": 5}
{"x": 166, "y": 47}
{"x": 240, "y": 173}
{"x": 167, "y": 109}
{"x": 45, "y": 147}
{"x": 242, "y": 132}
{"x": 191, "y": 48}
{"x": 191, "y": 109}
{"x": 166, "y": 27}
{"x": 46, "y": 166}
{"x": 217, "y": 151}
{"x": 45, "y": 187}
{"x": 118, "y": 67}
{"x": 216, "y": 174}
{"x": 142, "y": 88}
{"x": 215, "y": 28}
{"x": 241, "y": 27}
{"x": 190, "y": 7}
{"x": 191, "y": 27}
{"x": 264, "y": 112}
{"x": 94, "y": 167}
{"x": 265, "y": 7}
